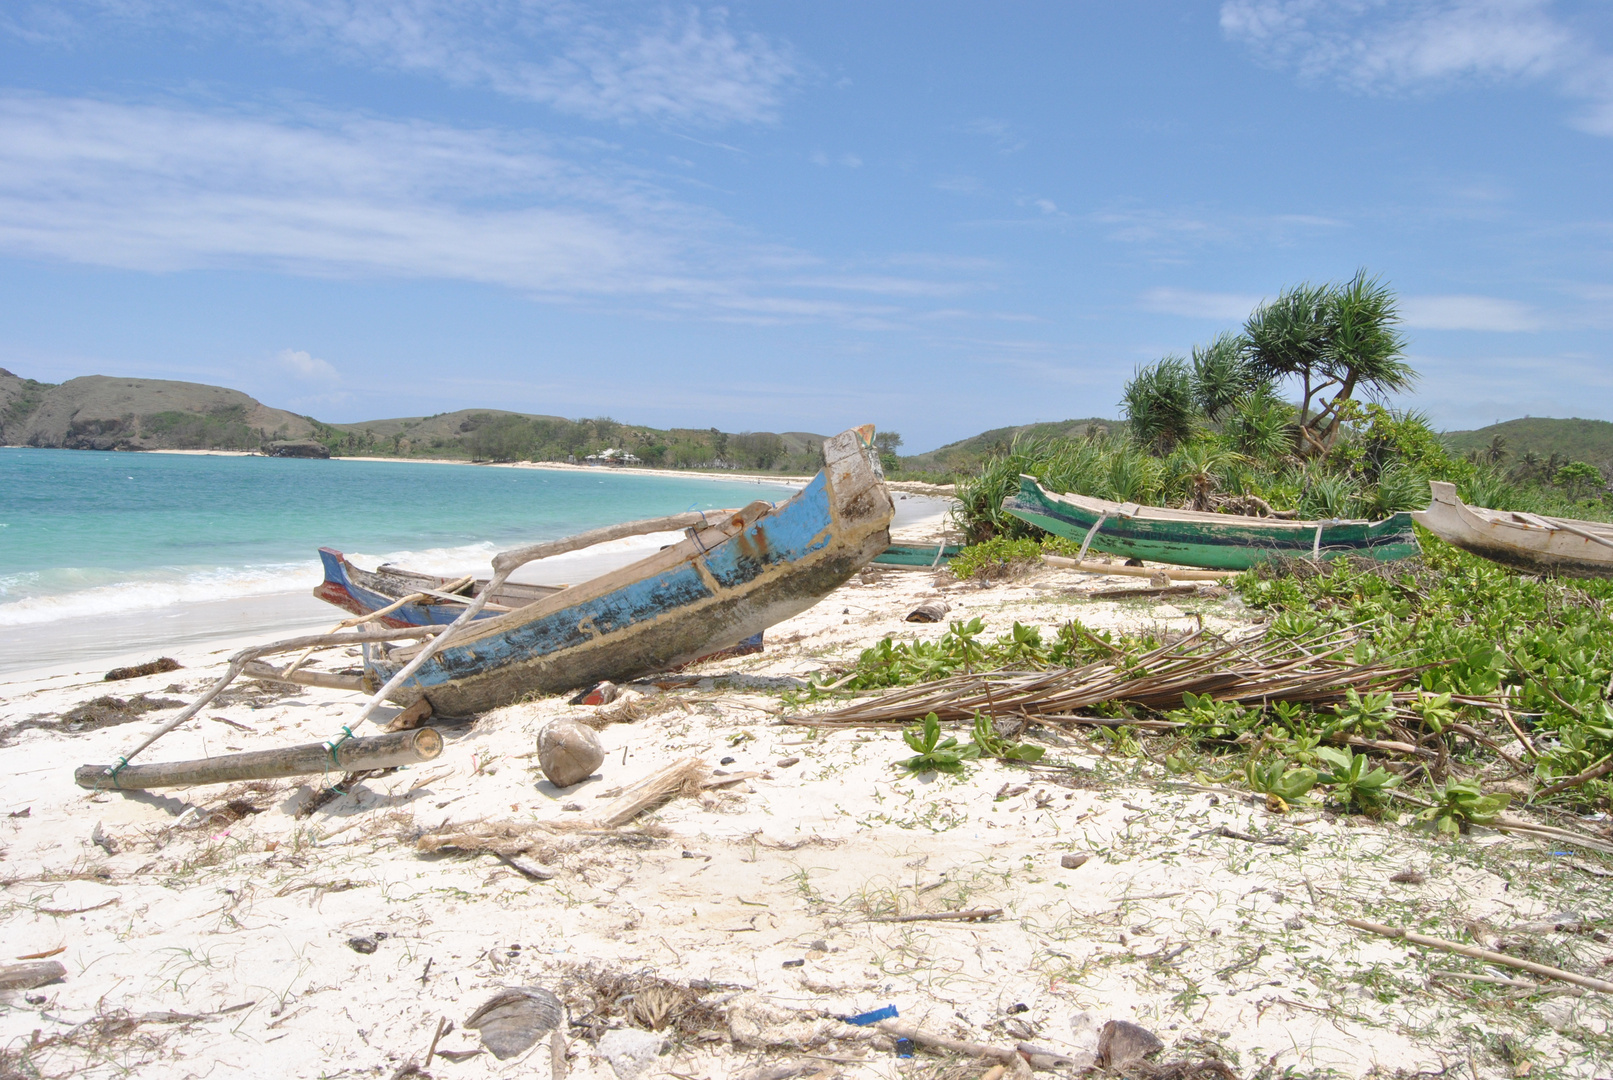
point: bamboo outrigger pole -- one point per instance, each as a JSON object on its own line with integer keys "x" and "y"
{"x": 338, "y": 756}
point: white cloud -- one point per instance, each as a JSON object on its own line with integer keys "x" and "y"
{"x": 999, "y": 132}
{"x": 959, "y": 185}
{"x": 1418, "y": 312}
{"x": 304, "y": 365}
{"x": 689, "y": 68}
{"x": 163, "y": 188}
{"x": 1189, "y": 303}
{"x": 823, "y": 161}
{"x": 1467, "y": 313}
{"x": 1379, "y": 45}
{"x": 887, "y": 286}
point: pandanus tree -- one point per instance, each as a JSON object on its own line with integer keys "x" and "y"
{"x": 1159, "y": 404}
{"x": 1222, "y": 375}
{"x": 1338, "y": 341}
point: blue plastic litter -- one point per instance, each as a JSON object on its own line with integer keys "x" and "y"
{"x": 904, "y": 1048}
{"x": 864, "y": 1019}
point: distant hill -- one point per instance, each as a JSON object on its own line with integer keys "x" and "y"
{"x": 443, "y": 433}
{"x": 98, "y": 412}
{"x": 19, "y": 398}
{"x": 1576, "y": 440}
{"x": 965, "y": 454}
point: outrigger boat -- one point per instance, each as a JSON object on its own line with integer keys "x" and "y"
{"x": 1196, "y": 538}
{"x": 724, "y": 582}
{"x": 411, "y": 598}
{"x": 430, "y": 599}
{"x": 1529, "y": 542}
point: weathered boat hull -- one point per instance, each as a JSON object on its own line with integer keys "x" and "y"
{"x": 363, "y": 591}
{"x": 710, "y": 591}
{"x": 1527, "y": 543}
{"x": 1210, "y": 541}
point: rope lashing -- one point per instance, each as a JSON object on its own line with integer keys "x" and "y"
{"x": 333, "y": 745}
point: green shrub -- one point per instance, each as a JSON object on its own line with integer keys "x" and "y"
{"x": 996, "y": 558}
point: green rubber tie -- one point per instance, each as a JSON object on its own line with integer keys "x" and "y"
{"x": 333, "y": 744}
{"x": 113, "y": 771}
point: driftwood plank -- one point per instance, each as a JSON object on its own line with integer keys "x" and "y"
{"x": 28, "y": 976}
{"x": 342, "y": 756}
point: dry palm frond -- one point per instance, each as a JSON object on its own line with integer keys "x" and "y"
{"x": 498, "y": 837}
{"x": 1250, "y": 672}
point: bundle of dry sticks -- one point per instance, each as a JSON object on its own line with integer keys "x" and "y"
{"x": 1252, "y": 672}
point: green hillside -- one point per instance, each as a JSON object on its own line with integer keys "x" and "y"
{"x": 97, "y": 412}
{"x": 497, "y": 435}
{"x": 966, "y": 455}
{"x": 1574, "y": 440}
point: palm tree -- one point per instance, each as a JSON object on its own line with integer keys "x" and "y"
{"x": 1199, "y": 466}
{"x": 1287, "y": 338}
{"x": 1221, "y": 374}
{"x": 1159, "y": 404}
{"x": 1364, "y": 348}
{"x": 1497, "y": 450}
{"x": 1342, "y": 338}
{"x": 1528, "y": 465}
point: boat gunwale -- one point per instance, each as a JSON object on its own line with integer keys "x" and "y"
{"x": 1167, "y": 515}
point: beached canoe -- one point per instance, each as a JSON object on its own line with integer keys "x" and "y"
{"x": 440, "y": 600}
{"x": 917, "y": 554}
{"x": 1194, "y": 538}
{"x": 1532, "y": 543}
{"x": 360, "y": 591}
{"x": 711, "y": 590}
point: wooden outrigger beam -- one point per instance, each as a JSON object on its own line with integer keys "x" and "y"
{"x": 342, "y": 755}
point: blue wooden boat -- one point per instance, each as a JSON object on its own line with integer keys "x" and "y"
{"x": 718, "y": 586}
{"x": 361, "y": 591}
{"x": 440, "y": 599}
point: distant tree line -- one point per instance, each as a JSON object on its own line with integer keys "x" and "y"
{"x": 490, "y": 436}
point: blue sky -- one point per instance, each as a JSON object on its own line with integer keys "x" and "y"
{"x": 939, "y": 217}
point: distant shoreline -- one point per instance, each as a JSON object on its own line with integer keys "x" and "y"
{"x": 913, "y": 487}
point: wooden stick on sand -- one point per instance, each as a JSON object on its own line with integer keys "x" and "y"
{"x": 1481, "y": 954}
{"x": 1175, "y": 573}
{"x": 342, "y": 756}
{"x": 239, "y": 661}
{"x": 972, "y": 915}
{"x": 941, "y": 1042}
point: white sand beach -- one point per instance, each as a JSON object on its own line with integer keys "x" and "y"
{"x": 273, "y": 928}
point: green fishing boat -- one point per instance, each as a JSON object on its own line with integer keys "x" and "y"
{"x": 918, "y": 554}
{"x": 1195, "y": 538}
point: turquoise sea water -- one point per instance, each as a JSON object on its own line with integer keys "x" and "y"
{"x": 85, "y": 533}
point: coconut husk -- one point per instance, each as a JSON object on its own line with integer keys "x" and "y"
{"x": 514, "y": 1019}
{"x": 569, "y": 752}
